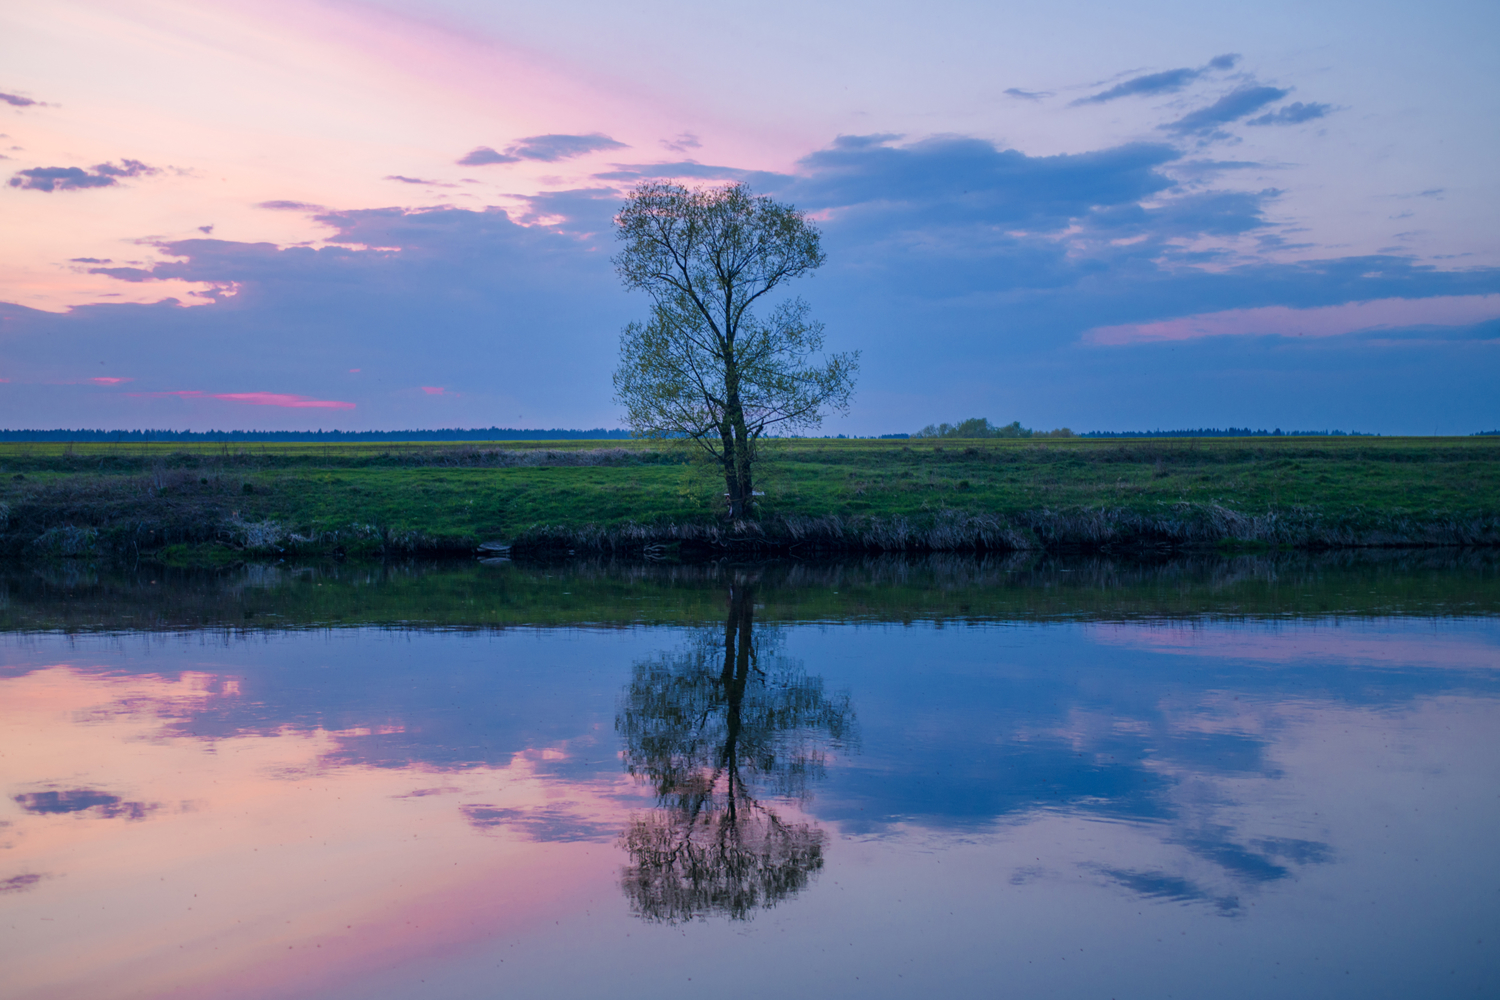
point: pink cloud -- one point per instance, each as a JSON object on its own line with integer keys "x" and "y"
{"x": 1395, "y": 646}
{"x": 109, "y": 380}
{"x": 257, "y": 398}
{"x": 1325, "y": 321}
{"x": 282, "y": 399}
{"x": 433, "y": 390}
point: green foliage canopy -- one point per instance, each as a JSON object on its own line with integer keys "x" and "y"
{"x": 707, "y": 366}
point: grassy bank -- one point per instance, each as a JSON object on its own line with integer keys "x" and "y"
{"x": 211, "y": 502}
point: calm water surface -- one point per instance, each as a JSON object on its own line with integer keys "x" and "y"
{"x": 1248, "y": 778}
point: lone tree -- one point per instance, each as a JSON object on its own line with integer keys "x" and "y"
{"x": 706, "y": 366}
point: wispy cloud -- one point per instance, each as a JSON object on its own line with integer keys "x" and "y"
{"x": 680, "y": 170}
{"x": 1231, "y": 107}
{"x": 17, "y": 101}
{"x": 133, "y": 274}
{"x": 481, "y": 156}
{"x": 683, "y": 142}
{"x": 110, "y": 380}
{"x": 284, "y": 399}
{"x": 1293, "y": 114}
{"x": 1027, "y": 95}
{"x": 1325, "y": 321}
{"x": 254, "y": 398}
{"x": 77, "y": 178}
{"x": 417, "y": 180}
{"x": 544, "y": 148}
{"x": 283, "y": 205}
{"x": 1165, "y": 82}
{"x": 551, "y": 148}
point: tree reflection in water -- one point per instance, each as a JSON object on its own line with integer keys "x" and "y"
{"x": 712, "y": 728}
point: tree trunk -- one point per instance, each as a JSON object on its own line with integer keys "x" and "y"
{"x": 731, "y": 474}
{"x": 737, "y": 460}
{"x": 742, "y": 468}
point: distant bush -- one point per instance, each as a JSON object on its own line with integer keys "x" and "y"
{"x": 980, "y": 427}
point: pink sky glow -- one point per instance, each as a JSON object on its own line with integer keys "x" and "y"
{"x": 283, "y": 875}
{"x": 214, "y": 143}
{"x": 1396, "y": 648}
{"x": 312, "y": 103}
{"x": 257, "y": 398}
{"x": 1326, "y": 321}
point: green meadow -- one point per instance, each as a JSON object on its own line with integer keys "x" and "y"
{"x": 382, "y": 497}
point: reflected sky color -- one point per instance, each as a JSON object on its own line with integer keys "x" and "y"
{"x": 1234, "y": 809}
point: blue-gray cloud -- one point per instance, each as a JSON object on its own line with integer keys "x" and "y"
{"x": 1231, "y": 107}
{"x": 17, "y": 101}
{"x": 1203, "y": 169}
{"x": 19, "y": 883}
{"x": 1157, "y": 885}
{"x": 581, "y": 210}
{"x": 544, "y": 148}
{"x": 416, "y": 180}
{"x": 483, "y": 156}
{"x": 77, "y": 178}
{"x": 284, "y": 205}
{"x": 682, "y": 142}
{"x": 59, "y": 179}
{"x": 1027, "y": 95}
{"x": 551, "y": 148}
{"x": 552, "y": 824}
{"x": 951, "y": 180}
{"x": 1165, "y": 82}
{"x": 77, "y": 800}
{"x": 134, "y": 274}
{"x": 401, "y": 296}
{"x": 958, "y": 266}
{"x": 688, "y": 170}
{"x": 1292, "y": 114}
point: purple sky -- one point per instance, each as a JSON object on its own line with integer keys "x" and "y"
{"x": 370, "y": 215}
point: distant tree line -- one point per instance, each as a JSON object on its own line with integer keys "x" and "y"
{"x": 980, "y": 427}
{"x": 1223, "y": 432}
{"x": 440, "y": 434}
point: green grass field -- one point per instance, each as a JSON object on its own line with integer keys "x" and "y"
{"x": 461, "y": 493}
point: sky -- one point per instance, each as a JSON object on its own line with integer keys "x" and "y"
{"x": 392, "y": 214}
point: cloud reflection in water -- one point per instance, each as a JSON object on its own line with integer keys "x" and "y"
{"x": 413, "y": 794}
